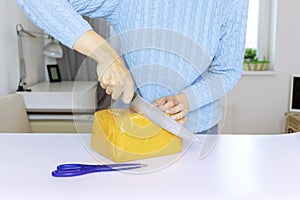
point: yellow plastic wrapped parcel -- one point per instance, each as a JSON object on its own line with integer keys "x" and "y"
{"x": 121, "y": 136}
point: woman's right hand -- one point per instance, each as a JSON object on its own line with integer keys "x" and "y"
{"x": 115, "y": 78}
{"x": 113, "y": 75}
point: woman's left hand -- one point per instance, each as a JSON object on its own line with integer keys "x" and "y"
{"x": 177, "y": 106}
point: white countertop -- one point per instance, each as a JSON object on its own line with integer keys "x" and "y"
{"x": 64, "y": 86}
{"x": 240, "y": 167}
{"x": 66, "y": 96}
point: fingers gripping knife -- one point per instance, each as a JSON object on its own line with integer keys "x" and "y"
{"x": 158, "y": 117}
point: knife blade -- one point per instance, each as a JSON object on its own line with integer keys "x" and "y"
{"x": 140, "y": 105}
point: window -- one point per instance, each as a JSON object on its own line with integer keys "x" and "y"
{"x": 260, "y": 27}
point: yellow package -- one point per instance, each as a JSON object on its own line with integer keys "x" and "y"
{"x": 123, "y": 136}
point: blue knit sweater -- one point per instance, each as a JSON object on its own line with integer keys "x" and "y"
{"x": 169, "y": 46}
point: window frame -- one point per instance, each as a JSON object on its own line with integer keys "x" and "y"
{"x": 266, "y": 31}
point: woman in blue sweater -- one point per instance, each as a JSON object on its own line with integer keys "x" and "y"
{"x": 182, "y": 55}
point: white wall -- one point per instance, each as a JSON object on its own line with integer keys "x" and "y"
{"x": 258, "y": 103}
{"x": 10, "y": 15}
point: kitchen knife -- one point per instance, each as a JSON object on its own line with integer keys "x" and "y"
{"x": 158, "y": 117}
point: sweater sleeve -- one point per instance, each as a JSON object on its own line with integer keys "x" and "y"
{"x": 226, "y": 67}
{"x": 63, "y": 19}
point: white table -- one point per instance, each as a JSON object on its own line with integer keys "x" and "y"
{"x": 59, "y": 97}
{"x": 239, "y": 168}
{"x": 52, "y": 103}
